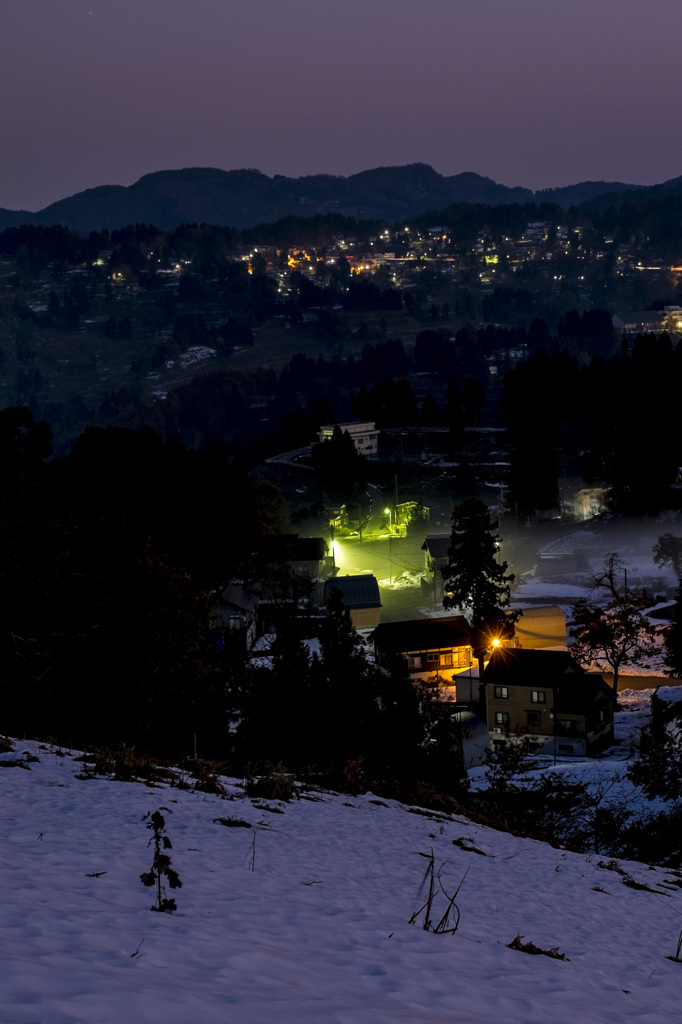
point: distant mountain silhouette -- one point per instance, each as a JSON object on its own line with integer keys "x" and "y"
{"x": 244, "y": 198}
{"x": 617, "y": 195}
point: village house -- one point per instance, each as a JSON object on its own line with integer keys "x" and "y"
{"x": 435, "y": 548}
{"x": 305, "y": 556}
{"x": 360, "y": 594}
{"x": 649, "y": 321}
{"x": 286, "y": 577}
{"x": 547, "y": 696}
{"x": 430, "y": 650}
{"x": 235, "y": 616}
{"x": 363, "y": 434}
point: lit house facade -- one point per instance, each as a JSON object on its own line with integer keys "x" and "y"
{"x": 429, "y": 650}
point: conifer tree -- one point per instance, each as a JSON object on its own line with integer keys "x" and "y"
{"x": 474, "y": 580}
{"x": 348, "y": 688}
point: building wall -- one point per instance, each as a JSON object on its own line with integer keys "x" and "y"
{"x": 467, "y": 687}
{"x": 565, "y": 734}
{"x": 363, "y": 618}
{"x": 541, "y": 627}
{"x": 574, "y": 746}
{"x": 433, "y": 577}
{"x": 446, "y": 662}
{"x": 364, "y": 435}
{"x": 310, "y": 567}
{"x": 517, "y": 705}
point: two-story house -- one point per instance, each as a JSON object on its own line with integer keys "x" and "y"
{"x": 429, "y": 649}
{"x": 548, "y": 696}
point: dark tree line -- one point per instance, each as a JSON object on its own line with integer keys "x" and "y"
{"x": 107, "y": 561}
{"x": 106, "y": 634}
{"x": 612, "y": 421}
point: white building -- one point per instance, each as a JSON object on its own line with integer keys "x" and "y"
{"x": 364, "y": 435}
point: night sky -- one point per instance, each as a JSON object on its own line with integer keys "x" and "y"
{"x": 529, "y": 92}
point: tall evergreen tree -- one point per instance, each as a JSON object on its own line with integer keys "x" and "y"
{"x": 474, "y": 580}
{"x": 453, "y": 416}
{"x": 277, "y": 717}
{"x": 339, "y": 464}
{"x": 533, "y": 484}
{"x": 430, "y": 415}
{"x": 347, "y": 687}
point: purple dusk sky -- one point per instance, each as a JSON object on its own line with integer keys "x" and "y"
{"x": 529, "y": 92}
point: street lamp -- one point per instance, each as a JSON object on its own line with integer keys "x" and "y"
{"x": 390, "y": 539}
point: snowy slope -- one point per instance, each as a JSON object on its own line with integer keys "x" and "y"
{"x": 305, "y": 916}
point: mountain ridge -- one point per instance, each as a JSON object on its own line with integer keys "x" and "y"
{"x": 244, "y": 197}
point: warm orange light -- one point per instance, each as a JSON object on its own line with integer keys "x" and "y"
{"x": 496, "y": 642}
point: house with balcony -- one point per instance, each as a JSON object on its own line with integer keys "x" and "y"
{"x": 430, "y": 650}
{"x": 547, "y": 696}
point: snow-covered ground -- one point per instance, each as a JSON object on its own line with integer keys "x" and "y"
{"x": 402, "y": 580}
{"x": 304, "y": 916}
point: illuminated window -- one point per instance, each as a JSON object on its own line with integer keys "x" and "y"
{"x": 502, "y": 692}
{"x": 501, "y": 718}
{"x": 537, "y": 697}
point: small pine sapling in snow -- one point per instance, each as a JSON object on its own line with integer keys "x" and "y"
{"x": 161, "y": 864}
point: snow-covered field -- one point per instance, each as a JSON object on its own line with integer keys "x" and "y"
{"x": 304, "y": 916}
